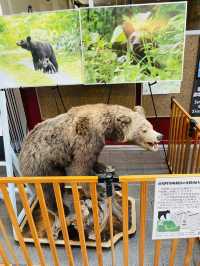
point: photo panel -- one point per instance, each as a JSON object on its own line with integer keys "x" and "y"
{"x": 135, "y": 43}
{"x": 40, "y": 49}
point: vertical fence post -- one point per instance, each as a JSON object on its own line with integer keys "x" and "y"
{"x": 63, "y": 222}
{"x": 179, "y": 140}
{"x": 143, "y": 211}
{"x": 197, "y": 167}
{"x": 4, "y": 256}
{"x": 15, "y": 224}
{"x": 9, "y": 245}
{"x": 31, "y": 223}
{"x": 174, "y": 138}
{"x": 170, "y": 132}
{"x": 47, "y": 224}
{"x": 93, "y": 192}
{"x": 172, "y": 145}
{"x": 173, "y": 248}
{"x": 194, "y": 153}
{"x": 188, "y": 254}
{"x": 7, "y": 146}
{"x": 111, "y": 231}
{"x": 183, "y": 139}
{"x": 80, "y": 223}
{"x": 125, "y": 222}
{"x": 157, "y": 252}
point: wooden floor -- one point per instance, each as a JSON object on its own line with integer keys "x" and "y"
{"x": 126, "y": 161}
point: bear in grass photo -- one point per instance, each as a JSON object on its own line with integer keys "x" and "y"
{"x": 40, "y": 51}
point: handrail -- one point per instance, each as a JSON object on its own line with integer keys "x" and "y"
{"x": 87, "y": 179}
{"x": 185, "y": 112}
{"x": 49, "y": 179}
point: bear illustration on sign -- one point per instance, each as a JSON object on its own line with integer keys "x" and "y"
{"x": 163, "y": 213}
{"x": 40, "y": 52}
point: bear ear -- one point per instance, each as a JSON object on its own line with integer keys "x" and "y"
{"x": 28, "y": 39}
{"x": 123, "y": 120}
{"x": 82, "y": 126}
{"x": 139, "y": 109}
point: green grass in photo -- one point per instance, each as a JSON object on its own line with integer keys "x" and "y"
{"x": 60, "y": 29}
{"x": 110, "y": 58}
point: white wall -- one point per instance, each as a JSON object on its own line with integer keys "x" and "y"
{"x": 13, "y": 6}
{"x": 1, "y": 12}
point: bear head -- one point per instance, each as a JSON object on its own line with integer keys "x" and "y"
{"x": 25, "y": 44}
{"x": 133, "y": 127}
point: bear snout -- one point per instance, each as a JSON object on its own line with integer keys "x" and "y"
{"x": 160, "y": 137}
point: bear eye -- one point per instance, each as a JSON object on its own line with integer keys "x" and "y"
{"x": 144, "y": 131}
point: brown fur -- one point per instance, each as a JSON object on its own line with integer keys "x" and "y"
{"x": 70, "y": 144}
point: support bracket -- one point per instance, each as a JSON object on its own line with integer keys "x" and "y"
{"x": 192, "y": 128}
{"x": 109, "y": 179}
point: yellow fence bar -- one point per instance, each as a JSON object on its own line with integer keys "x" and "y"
{"x": 4, "y": 256}
{"x": 143, "y": 212}
{"x": 179, "y": 143}
{"x": 31, "y": 223}
{"x": 176, "y": 136}
{"x": 152, "y": 178}
{"x": 47, "y": 224}
{"x": 194, "y": 153}
{"x": 63, "y": 222}
{"x": 95, "y": 208}
{"x": 7, "y": 241}
{"x": 15, "y": 224}
{"x": 186, "y": 149}
{"x": 187, "y": 152}
{"x": 125, "y": 222}
{"x": 125, "y": 178}
{"x": 197, "y": 168}
{"x": 183, "y": 150}
{"x": 170, "y": 134}
{"x": 111, "y": 231}
{"x": 174, "y": 131}
{"x": 183, "y": 139}
{"x": 172, "y": 256}
{"x": 188, "y": 254}
{"x": 49, "y": 179}
{"x": 157, "y": 252}
{"x": 80, "y": 223}
{"x": 181, "y": 108}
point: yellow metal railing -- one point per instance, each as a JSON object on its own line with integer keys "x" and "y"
{"x": 184, "y": 141}
{"x": 9, "y": 256}
{"x": 183, "y": 158}
{"x": 144, "y": 181}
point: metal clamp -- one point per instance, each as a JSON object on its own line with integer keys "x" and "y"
{"x": 192, "y": 128}
{"x": 109, "y": 179}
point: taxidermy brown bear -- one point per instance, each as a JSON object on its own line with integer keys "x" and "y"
{"x": 70, "y": 144}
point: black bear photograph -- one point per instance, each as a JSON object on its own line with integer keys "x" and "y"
{"x": 42, "y": 53}
{"x": 40, "y": 49}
